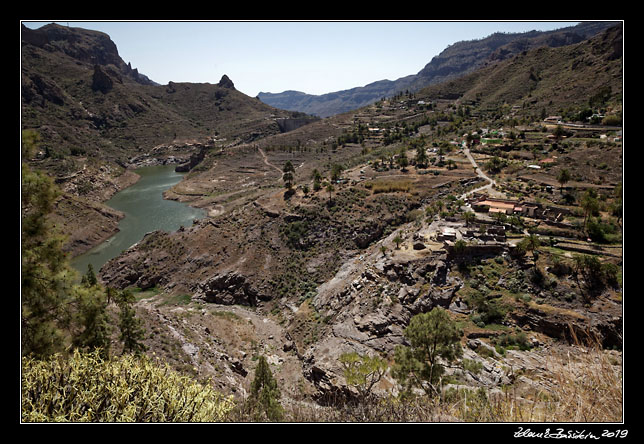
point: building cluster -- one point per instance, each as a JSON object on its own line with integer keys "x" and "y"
{"x": 486, "y": 204}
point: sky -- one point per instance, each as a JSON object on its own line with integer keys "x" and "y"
{"x": 315, "y": 57}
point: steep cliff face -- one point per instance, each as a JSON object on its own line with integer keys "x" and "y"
{"x": 83, "y": 45}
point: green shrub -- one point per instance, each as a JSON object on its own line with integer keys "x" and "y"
{"x": 488, "y": 309}
{"x": 472, "y": 366}
{"x": 518, "y": 340}
{"x": 294, "y": 233}
{"x": 601, "y": 231}
{"x": 86, "y": 388}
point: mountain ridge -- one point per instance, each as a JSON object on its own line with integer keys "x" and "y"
{"x": 544, "y": 78}
{"x": 85, "y": 45}
{"x": 82, "y": 97}
{"x": 455, "y": 60}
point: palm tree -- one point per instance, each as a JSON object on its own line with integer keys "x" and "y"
{"x": 590, "y": 204}
{"x": 330, "y": 188}
{"x": 469, "y": 138}
{"x": 559, "y": 132}
{"x": 402, "y": 160}
{"x": 441, "y": 153}
{"x": 532, "y": 243}
{"x": 336, "y": 170}
{"x": 383, "y": 159}
{"x": 563, "y": 178}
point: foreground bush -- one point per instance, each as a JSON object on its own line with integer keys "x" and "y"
{"x": 84, "y": 387}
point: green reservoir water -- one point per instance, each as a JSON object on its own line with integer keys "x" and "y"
{"x": 145, "y": 210}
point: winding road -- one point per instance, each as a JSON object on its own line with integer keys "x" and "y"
{"x": 267, "y": 162}
{"x": 480, "y": 173}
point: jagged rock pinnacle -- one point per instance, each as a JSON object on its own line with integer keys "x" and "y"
{"x": 225, "y": 82}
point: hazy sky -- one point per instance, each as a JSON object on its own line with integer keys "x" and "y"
{"x": 273, "y": 56}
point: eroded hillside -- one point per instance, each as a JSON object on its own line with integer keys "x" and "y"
{"x": 436, "y": 199}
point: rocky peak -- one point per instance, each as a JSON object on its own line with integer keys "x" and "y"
{"x": 225, "y": 82}
{"x": 83, "y": 45}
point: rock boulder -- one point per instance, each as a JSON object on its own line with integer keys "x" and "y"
{"x": 227, "y": 288}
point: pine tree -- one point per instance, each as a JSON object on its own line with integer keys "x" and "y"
{"x": 46, "y": 277}
{"x": 433, "y": 337}
{"x": 288, "y": 176}
{"x": 89, "y": 278}
{"x": 132, "y": 330}
{"x": 92, "y": 320}
{"x": 265, "y": 394}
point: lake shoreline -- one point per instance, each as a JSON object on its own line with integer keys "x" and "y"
{"x": 146, "y": 176}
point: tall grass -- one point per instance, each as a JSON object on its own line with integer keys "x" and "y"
{"x": 388, "y": 186}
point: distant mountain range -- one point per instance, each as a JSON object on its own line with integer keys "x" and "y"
{"x": 456, "y": 60}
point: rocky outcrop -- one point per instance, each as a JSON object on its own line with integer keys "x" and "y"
{"x": 593, "y": 328}
{"x": 37, "y": 90}
{"x": 101, "y": 81}
{"x": 369, "y": 303}
{"x": 225, "y": 82}
{"x": 83, "y": 45}
{"x": 228, "y": 288}
{"x": 195, "y": 159}
{"x": 368, "y": 234}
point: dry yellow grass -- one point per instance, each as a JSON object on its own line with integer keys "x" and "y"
{"x": 580, "y": 385}
{"x": 389, "y": 186}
